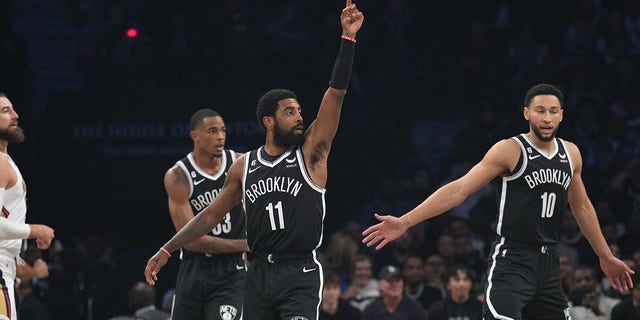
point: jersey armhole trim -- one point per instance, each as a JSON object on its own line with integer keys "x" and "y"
{"x": 305, "y": 174}
{"x": 247, "y": 160}
{"x": 186, "y": 172}
{"x": 564, "y": 145}
{"x": 523, "y": 165}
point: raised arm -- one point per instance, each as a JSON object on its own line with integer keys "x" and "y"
{"x": 201, "y": 224}
{"x": 499, "y": 160}
{"x": 319, "y": 136}
{"x": 177, "y": 185}
{"x": 617, "y": 271}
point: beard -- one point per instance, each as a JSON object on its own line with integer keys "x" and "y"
{"x": 539, "y": 135}
{"x": 12, "y": 135}
{"x": 286, "y": 138}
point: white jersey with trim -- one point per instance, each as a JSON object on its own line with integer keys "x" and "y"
{"x": 14, "y": 209}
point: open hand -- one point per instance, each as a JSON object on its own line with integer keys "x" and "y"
{"x": 618, "y": 272}
{"x": 153, "y": 267}
{"x": 384, "y": 232}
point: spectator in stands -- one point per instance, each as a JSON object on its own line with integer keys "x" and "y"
{"x": 364, "y": 288}
{"x": 332, "y": 306}
{"x": 415, "y": 286}
{"x": 392, "y": 304}
{"x": 460, "y": 302}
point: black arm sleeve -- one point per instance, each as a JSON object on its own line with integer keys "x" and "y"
{"x": 342, "y": 67}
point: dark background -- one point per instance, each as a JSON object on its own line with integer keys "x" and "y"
{"x": 434, "y": 83}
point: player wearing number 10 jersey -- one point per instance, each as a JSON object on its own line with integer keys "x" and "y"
{"x": 538, "y": 174}
{"x": 532, "y": 200}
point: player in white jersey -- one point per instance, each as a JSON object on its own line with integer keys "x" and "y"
{"x": 13, "y": 194}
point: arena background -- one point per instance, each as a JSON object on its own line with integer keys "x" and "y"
{"x": 434, "y": 83}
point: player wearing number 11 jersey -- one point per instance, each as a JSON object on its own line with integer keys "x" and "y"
{"x": 281, "y": 186}
{"x": 538, "y": 175}
{"x": 279, "y": 197}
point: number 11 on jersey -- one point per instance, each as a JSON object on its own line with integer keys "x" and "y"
{"x": 278, "y": 207}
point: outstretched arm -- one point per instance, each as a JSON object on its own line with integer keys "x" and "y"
{"x": 320, "y": 134}
{"x": 499, "y": 160}
{"x": 229, "y": 197}
{"x": 617, "y": 271}
{"x": 177, "y": 186}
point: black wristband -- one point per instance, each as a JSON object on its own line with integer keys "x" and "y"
{"x": 341, "y": 73}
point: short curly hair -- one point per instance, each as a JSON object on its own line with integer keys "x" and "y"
{"x": 268, "y": 103}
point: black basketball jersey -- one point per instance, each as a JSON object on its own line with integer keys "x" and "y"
{"x": 532, "y": 201}
{"x": 285, "y": 208}
{"x": 205, "y": 187}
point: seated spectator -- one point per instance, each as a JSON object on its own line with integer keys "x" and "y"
{"x": 142, "y": 299}
{"x": 459, "y": 303}
{"x": 339, "y": 256}
{"x": 587, "y": 301}
{"x": 434, "y": 269}
{"x": 393, "y": 304}
{"x": 332, "y": 307}
{"x": 364, "y": 288}
{"x": 566, "y": 272}
{"x": 467, "y": 255}
{"x": 415, "y": 286}
{"x": 446, "y": 248}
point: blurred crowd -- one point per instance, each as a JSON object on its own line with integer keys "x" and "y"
{"x": 418, "y": 63}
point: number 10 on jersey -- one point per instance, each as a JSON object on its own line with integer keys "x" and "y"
{"x": 548, "y": 204}
{"x": 272, "y": 215}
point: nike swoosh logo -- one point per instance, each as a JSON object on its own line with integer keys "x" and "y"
{"x": 254, "y": 169}
{"x": 239, "y": 267}
{"x": 291, "y": 160}
{"x": 533, "y": 157}
{"x": 195, "y": 183}
{"x": 305, "y": 270}
{"x": 562, "y": 155}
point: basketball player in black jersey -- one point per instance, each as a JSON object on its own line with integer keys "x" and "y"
{"x": 281, "y": 185}
{"x": 537, "y": 174}
{"x": 211, "y": 275}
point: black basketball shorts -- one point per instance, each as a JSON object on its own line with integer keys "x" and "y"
{"x": 209, "y": 288}
{"x": 523, "y": 282}
{"x": 286, "y": 287}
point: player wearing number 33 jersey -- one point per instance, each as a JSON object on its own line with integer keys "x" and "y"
{"x": 205, "y": 188}
{"x": 211, "y": 274}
